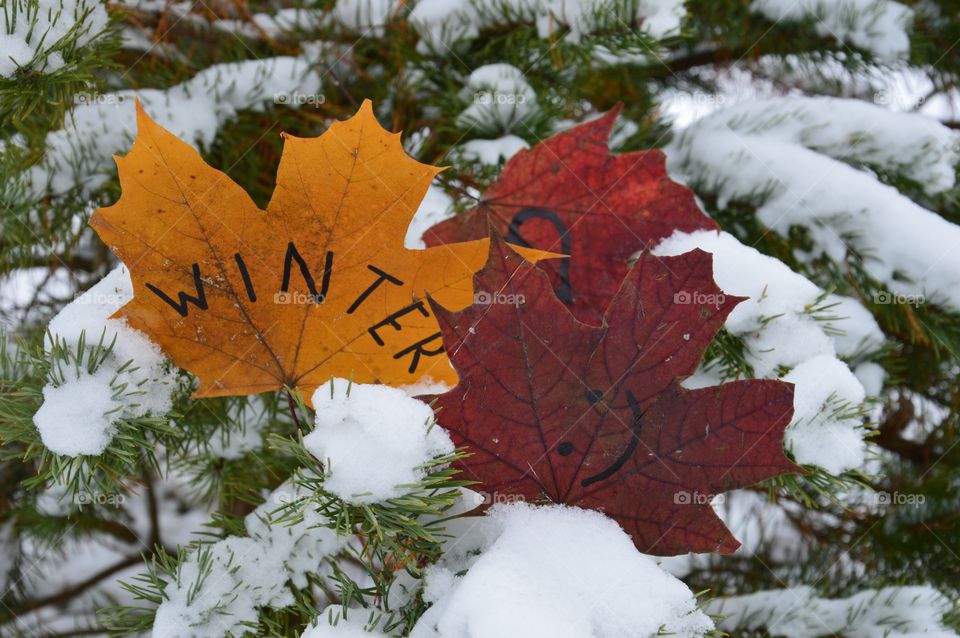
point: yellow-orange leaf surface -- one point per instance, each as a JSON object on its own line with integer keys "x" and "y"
{"x": 318, "y": 285}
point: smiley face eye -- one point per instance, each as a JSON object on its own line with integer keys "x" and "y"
{"x": 565, "y": 448}
{"x": 594, "y": 395}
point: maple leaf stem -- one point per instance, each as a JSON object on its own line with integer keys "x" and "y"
{"x": 293, "y": 410}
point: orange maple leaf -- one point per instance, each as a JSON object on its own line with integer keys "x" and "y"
{"x": 318, "y": 285}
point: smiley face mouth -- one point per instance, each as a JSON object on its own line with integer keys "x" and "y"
{"x": 630, "y": 449}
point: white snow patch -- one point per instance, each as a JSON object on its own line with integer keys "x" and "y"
{"x": 791, "y": 154}
{"x": 537, "y": 577}
{"x": 817, "y": 435}
{"x": 499, "y": 98}
{"x": 373, "y": 440}
{"x": 77, "y": 417}
{"x": 435, "y": 207}
{"x": 492, "y": 151}
{"x": 366, "y": 16}
{"x": 242, "y": 431}
{"x": 855, "y": 331}
{"x": 335, "y": 622}
{"x": 891, "y": 612}
{"x": 80, "y": 155}
{"x": 779, "y": 333}
{"x": 32, "y": 35}
{"x": 55, "y": 500}
{"x": 247, "y": 572}
{"x": 879, "y": 26}
{"x": 426, "y": 385}
{"x": 872, "y": 376}
{"x": 442, "y": 22}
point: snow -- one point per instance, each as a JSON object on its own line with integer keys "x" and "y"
{"x": 764, "y": 528}
{"x": 24, "y": 290}
{"x": 492, "y": 151}
{"x": 435, "y": 207}
{"x": 779, "y": 332}
{"x": 77, "y": 417}
{"x": 241, "y": 432}
{"x": 82, "y": 556}
{"x": 373, "y": 440}
{"x": 792, "y": 154}
{"x": 30, "y": 39}
{"x": 367, "y": 16}
{"x": 891, "y": 612}
{"x": 499, "y": 98}
{"x": 80, "y": 155}
{"x": 818, "y": 435}
{"x": 442, "y": 22}
{"x": 274, "y": 25}
{"x": 872, "y": 376}
{"x": 55, "y": 501}
{"x": 333, "y": 622}
{"x": 878, "y": 26}
{"x": 536, "y": 577}
{"x": 855, "y": 330}
{"x": 247, "y": 572}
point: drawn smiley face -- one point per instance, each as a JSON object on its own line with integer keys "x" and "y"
{"x": 565, "y": 448}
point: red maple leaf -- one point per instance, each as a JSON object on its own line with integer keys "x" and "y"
{"x": 570, "y": 195}
{"x": 554, "y": 410}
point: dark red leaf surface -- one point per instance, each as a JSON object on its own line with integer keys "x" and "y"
{"x": 555, "y": 410}
{"x": 570, "y": 195}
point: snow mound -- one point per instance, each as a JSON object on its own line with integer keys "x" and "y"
{"x": 492, "y": 151}
{"x": 80, "y": 155}
{"x": 77, "y": 417}
{"x": 31, "y": 37}
{"x": 333, "y": 624}
{"x": 879, "y": 26}
{"x": 442, "y": 22}
{"x": 793, "y": 157}
{"x": 373, "y": 439}
{"x": 538, "y": 577}
{"x": 435, "y": 207}
{"x": 817, "y": 435}
{"x": 498, "y": 97}
{"x": 222, "y": 585}
{"x": 779, "y": 333}
{"x": 891, "y": 612}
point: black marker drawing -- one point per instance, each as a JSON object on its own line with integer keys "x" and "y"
{"x": 565, "y": 291}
